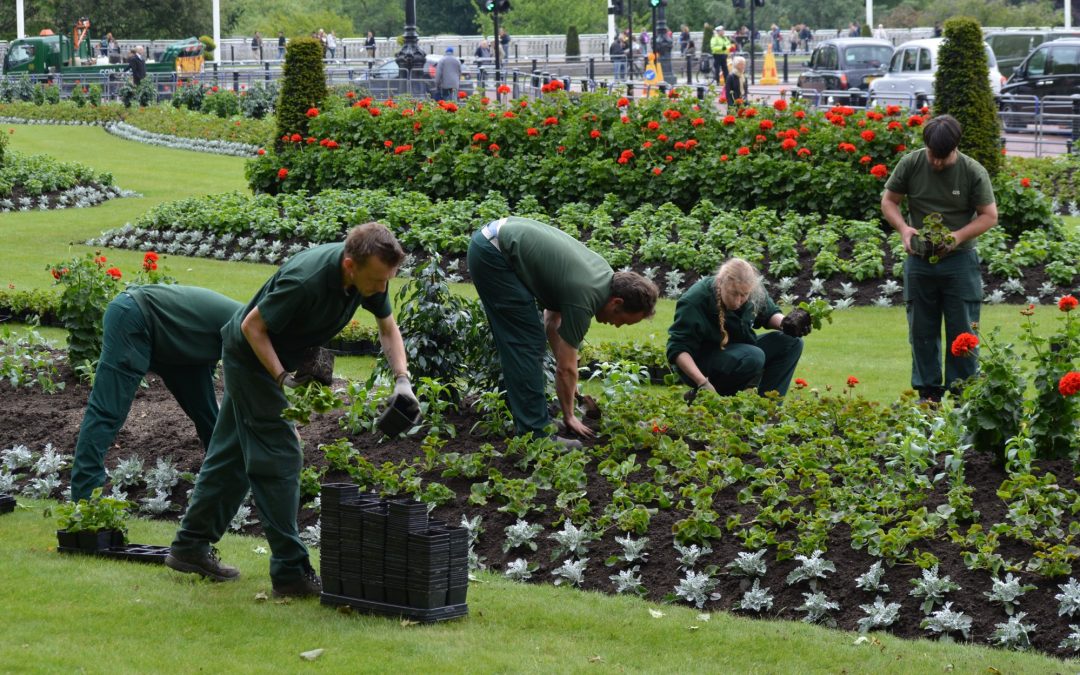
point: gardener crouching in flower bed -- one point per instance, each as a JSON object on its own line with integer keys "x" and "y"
{"x": 712, "y": 342}
{"x": 307, "y": 301}
{"x": 517, "y": 263}
{"x": 174, "y": 331}
{"x": 945, "y": 189}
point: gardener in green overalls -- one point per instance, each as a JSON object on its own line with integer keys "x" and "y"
{"x": 940, "y": 179}
{"x": 304, "y": 304}
{"x": 518, "y": 264}
{"x": 712, "y": 342}
{"x": 174, "y": 331}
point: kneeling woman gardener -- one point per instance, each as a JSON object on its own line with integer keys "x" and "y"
{"x": 712, "y": 342}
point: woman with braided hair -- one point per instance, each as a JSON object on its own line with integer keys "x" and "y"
{"x": 712, "y": 343}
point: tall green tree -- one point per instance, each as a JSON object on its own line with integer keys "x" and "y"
{"x": 962, "y": 89}
{"x": 447, "y": 17}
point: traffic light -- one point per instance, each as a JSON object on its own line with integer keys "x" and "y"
{"x": 738, "y": 4}
{"x": 497, "y": 5}
{"x": 617, "y": 7}
{"x": 658, "y": 3}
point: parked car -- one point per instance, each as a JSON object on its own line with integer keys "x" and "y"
{"x": 846, "y": 63}
{"x": 1053, "y": 69}
{"x": 1012, "y": 47}
{"x": 912, "y": 70}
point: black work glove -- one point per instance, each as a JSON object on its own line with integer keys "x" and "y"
{"x": 287, "y": 379}
{"x": 691, "y": 395}
{"x": 797, "y": 323}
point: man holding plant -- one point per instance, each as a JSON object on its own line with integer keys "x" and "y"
{"x": 941, "y": 280}
{"x": 712, "y": 342}
{"x": 517, "y": 264}
{"x": 172, "y": 330}
{"x": 304, "y": 304}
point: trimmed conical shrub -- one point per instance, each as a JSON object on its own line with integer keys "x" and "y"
{"x": 304, "y": 87}
{"x": 962, "y": 89}
{"x": 573, "y": 44}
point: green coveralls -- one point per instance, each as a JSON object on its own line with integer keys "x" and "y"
{"x": 529, "y": 264}
{"x": 174, "y": 331}
{"x": 303, "y": 305}
{"x": 951, "y": 288}
{"x": 766, "y": 361}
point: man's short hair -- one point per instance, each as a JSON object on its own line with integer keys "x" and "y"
{"x": 941, "y": 135}
{"x": 373, "y": 239}
{"x": 637, "y": 293}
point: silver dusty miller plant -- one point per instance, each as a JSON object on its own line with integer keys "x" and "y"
{"x": 1007, "y": 592}
{"x": 521, "y": 533}
{"x": 932, "y": 588}
{"x": 810, "y": 569}
{"x": 571, "y": 571}
{"x": 633, "y": 550}
{"x": 571, "y": 540}
{"x": 871, "y": 581}
{"x": 520, "y": 570}
{"x": 1069, "y": 598}
{"x": 689, "y": 555}
{"x": 748, "y": 564}
{"x": 1014, "y": 633}
{"x": 878, "y": 615}
{"x": 756, "y": 598}
{"x": 128, "y": 472}
{"x": 696, "y": 588}
{"x": 946, "y": 622}
{"x": 628, "y": 581}
{"x": 817, "y": 607}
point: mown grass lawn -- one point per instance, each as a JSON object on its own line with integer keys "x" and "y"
{"x": 65, "y": 614}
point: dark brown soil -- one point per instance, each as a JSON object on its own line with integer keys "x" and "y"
{"x": 157, "y": 427}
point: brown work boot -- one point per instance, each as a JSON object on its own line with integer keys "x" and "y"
{"x": 309, "y": 584}
{"x": 206, "y": 564}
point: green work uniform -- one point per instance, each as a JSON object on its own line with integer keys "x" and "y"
{"x": 304, "y": 304}
{"x": 533, "y": 264}
{"x": 748, "y": 360}
{"x": 174, "y": 331}
{"x": 950, "y": 289}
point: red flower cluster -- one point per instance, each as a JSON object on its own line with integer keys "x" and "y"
{"x": 1025, "y": 182}
{"x": 363, "y": 103}
{"x": 554, "y": 85}
{"x": 328, "y": 144}
{"x": 744, "y": 151}
{"x": 622, "y": 102}
{"x": 804, "y": 152}
{"x": 1067, "y": 303}
{"x": 865, "y": 159}
{"x": 801, "y": 383}
{"x": 846, "y": 147}
{"x": 653, "y": 125}
{"x": 788, "y": 144}
{"x": 697, "y": 121}
{"x": 729, "y": 120}
{"x": 282, "y": 173}
{"x": 894, "y": 125}
{"x": 149, "y": 261}
{"x": 914, "y": 121}
{"x": 868, "y": 135}
{"x": 113, "y": 272}
{"x": 671, "y": 114}
{"x": 901, "y": 148}
{"x": 551, "y": 121}
{"x": 447, "y": 106}
{"x": 312, "y": 112}
{"x": 595, "y": 133}
{"x": 964, "y": 344}
{"x": 375, "y": 112}
{"x": 874, "y": 115}
{"x": 462, "y": 95}
{"x": 892, "y": 110}
{"x": 260, "y": 152}
{"x": 625, "y": 156}
{"x": 780, "y": 105}
{"x": 765, "y": 125}
{"x": 852, "y": 381}
{"x": 479, "y": 137}
{"x": 503, "y": 89}
{"x": 657, "y": 170}
{"x": 879, "y": 171}
{"x": 402, "y": 149}
{"x": 1069, "y": 384}
{"x": 493, "y": 148}
{"x": 800, "y": 114}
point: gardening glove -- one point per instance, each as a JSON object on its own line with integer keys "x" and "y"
{"x": 316, "y": 363}
{"x": 797, "y": 323}
{"x": 691, "y": 395}
{"x": 403, "y": 389}
{"x": 287, "y": 379}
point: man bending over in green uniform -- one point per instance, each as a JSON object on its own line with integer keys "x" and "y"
{"x": 305, "y": 303}
{"x": 940, "y": 179}
{"x": 516, "y": 263}
{"x": 174, "y": 331}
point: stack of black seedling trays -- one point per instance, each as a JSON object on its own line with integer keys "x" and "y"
{"x": 391, "y": 560}
{"x": 333, "y": 496}
{"x": 7, "y": 503}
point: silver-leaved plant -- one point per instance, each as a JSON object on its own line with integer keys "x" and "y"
{"x": 520, "y": 533}
{"x": 817, "y": 607}
{"x": 571, "y": 571}
{"x": 756, "y": 599}
{"x": 1069, "y": 598}
{"x": 571, "y": 540}
{"x": 1007, "y": 592}
{"x": 1014, "y": 633}
{"x": 878, "y": 615}
{"x": 473, "y": 527}
{"x": 520, "y": 570}
{"x": 810, "y": 569}
{"x": 1073, "y": 640}
{"x": 633, "y": 549}
{"x": 945, "y": 622}
{"x": 696, "y": 588}
{"x": 628, "y": 581}
{"x": 932, "y": 588}
{"x": 128, "y": 472}
{"x": 748, "y": 564}
{"x": 689, "y": 555}
{"x": 872, "y": 580}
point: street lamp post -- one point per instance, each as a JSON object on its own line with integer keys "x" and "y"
{"x": 662, "y": 43}
{"x": 411, "y": 57}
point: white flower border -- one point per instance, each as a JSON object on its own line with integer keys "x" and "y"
{"x": 133, "y": 133}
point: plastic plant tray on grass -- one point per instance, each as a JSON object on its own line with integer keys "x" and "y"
{"x": 7, "y": 503}
{"x": 443, "y": 613}
{"x": 142, "y": 553}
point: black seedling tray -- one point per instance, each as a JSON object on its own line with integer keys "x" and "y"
{"x": 385, "y": 609}
{"x": 144, "y": 553}
{"x": 7, "y": 503}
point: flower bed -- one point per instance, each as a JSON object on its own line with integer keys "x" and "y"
{"x": 849, "y": 261}
{"x": 39, "y": 182}
{"x": 820, "y": 508}
{"x": 213, "y": 146}
{"x": 560, "y": 150}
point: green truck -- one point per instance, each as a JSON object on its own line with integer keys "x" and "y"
{"x": 46, "y": 54}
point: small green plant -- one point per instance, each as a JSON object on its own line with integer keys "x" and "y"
{"x": 94, "y": 514}
{"x": 934, "y": 239}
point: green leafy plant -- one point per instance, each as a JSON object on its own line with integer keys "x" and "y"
{"x": 94, "y": 514}
{"x": 88, "y": 286}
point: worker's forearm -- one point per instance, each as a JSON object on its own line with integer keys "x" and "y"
{"x": 393, "y": 347}
{"x": 686, "y": 364}
{"x": 259, "y": 338}
{"x": 566, "y": 380}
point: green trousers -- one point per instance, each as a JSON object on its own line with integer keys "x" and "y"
{"x": 768, "y": 364}
{"x": 951, "y": 290}
{"x": 252, "y": 447}
{"x": 518, "y": 330}
{"x": 126, "y": 357}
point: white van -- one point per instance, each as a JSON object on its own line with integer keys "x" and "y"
{"x": 912, "y": 69}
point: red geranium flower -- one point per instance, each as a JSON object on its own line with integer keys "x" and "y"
{"x": 801, "y": 383}
{"x": 296, "y": 138}
{"x": 914, "y": 121}
{"x": 852, "y": 381}
{"x": 765, "y": 125}
{"x": 1025, "y": 182}
{"x": 595, "y": 133}
{"x": 865, "y": 159}
{"x": 760, "y": 139}
{"x": 743, "y": 151}
{"x": 668, "y": 158}
{"x": 964, "y": 344}
{"x": 867, "y": 135}
{"x": 351, "y": 94}
{"x": 402, "y": 149}
{"x": 892, "y": 110}
{"x": 310, "y": 140}
{"x": 780, "y": 105}
{"x": 260, "y": 152}
{"x": 879, "y": 171}
{"x": 1067, "y": 303}
{"x": 653, "y": 125}
{"x": 388, "y": 143}
{"x": 679, "y": 145}
{"x": 846, "y": 147}
{"x": 894, "y": 125}
{"x": 662, "y": 137}
{"x": 657, "y": 170}
{"x": 800, "y": 114}
{"x": 478, "y": 137}
{"x": 647, "y": 144}
{"x": 113, "y": 272}
{"x": 672, "y": 115}
{"x": 551, "y": 121}
{"x": 282, "y": 173}
{"x": 622, "y": 102}
{"x": 729, "y": 120}
{"x": 697, "y": 121}
{"x": 494, "y": 147}
{"x": 532, "y": 131}
{"x": 462, "y": 95}
{"x": 624, "y": 119}
{"x": 312, "y": 112}
{"x": 788, "y": 144}
{"x": 804, "y": 152}
{"x": 900, "y": 148}
{"x": 214, "y": 88}
{"x": 375, "y": 112}
{"x": 1069, "y": 384}
{"x": 723, "y": 158}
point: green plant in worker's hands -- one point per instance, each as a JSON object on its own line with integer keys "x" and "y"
{"x": 819, "y": 310}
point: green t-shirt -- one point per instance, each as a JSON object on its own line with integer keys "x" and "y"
{"x": 560, "y": 272}
{"x": 696, "y": 328}
{"x": 184, "y": 322}
{"x": 954, "y": 192}
{"x": 303, "y": 305}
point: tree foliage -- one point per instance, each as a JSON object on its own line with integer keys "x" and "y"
{"x": 912, "y": 13}
{"x": 448, "y": 17}
{"x": 962, "y": 89}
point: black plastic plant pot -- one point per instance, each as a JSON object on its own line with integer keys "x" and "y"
{"x": 456, "y": 595}
{"x": 400, "y": 415}
{"x": 397, "y": 595}
{"x": 7, "y": 503}
{"x": 67, "y": 540}
{"x": 97, "y": 540}
{"x": 427, "y": 600}
{"x": 374, "y": 592}
{"x": 333, "y": 585}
